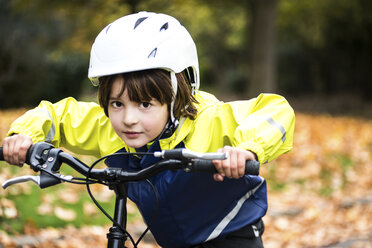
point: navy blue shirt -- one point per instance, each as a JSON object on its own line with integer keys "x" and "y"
{"x": 192, "y": 207}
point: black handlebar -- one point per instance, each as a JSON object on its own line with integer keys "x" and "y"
{"x": 252, "y": 167}
{"x": 47, "y": 159}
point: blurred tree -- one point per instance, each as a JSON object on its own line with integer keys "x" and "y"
{"x": 263, "y": 61}
{"x": 236, "y": 41}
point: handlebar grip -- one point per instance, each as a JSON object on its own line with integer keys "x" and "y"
{"x": 252, "y": 167}
{"x": 28, "y": 155}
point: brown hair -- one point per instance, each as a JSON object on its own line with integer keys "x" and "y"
{"x": 147, "y": 84}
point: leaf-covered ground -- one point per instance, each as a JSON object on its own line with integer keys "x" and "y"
{"x": 320, "y": 194}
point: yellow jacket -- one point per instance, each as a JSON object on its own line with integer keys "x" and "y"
{"x": 264, "y": 125}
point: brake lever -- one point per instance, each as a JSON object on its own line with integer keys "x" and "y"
{"x": 43, "y": 180}
{"x": 21, "y": 179}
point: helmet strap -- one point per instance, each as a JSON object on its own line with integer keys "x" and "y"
{"x": 168, "y": 130}
{"x": 172, "y": 122}
{"x": 174, "y": 87}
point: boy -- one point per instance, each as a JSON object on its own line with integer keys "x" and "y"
{"x": 146, "y": 67}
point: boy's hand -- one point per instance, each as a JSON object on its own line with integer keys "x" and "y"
{"x": 234, "y": 165}
{"x": 15, "y": 148}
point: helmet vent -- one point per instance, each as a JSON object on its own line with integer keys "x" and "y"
{"x": 139, "y": 21}
{"x": 153, "y": 53}
{"x": 164, "y": 27}
{"x": 107, "y": 29}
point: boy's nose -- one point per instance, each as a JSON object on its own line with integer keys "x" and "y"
{"x": 130, "y": 118}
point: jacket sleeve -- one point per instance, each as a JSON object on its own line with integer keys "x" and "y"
{"x": 263, "y": 125}
{"x": 81, "y": 127}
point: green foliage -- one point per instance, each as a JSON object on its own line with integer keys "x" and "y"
{"x": 44, "y": 47}
{"x": 28, "y": 68}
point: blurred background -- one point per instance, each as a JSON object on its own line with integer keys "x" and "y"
{"x": 301, "y": 49}
{"x": 316, "y": 53}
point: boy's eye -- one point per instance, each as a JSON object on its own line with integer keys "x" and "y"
{"x": 116, "y": 104}
{"x": 145, "y": 105}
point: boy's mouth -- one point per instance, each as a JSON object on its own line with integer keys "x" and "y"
{"x": 132, "y": 134}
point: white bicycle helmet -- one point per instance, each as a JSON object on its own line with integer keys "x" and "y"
{"x": 141, "y": 41}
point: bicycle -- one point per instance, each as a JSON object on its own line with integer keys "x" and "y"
{"x": 44, "y": 158}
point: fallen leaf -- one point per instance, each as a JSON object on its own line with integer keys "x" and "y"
{"x": 64, "y": 214}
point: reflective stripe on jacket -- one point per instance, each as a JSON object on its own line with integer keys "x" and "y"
{"x": 193, "y": 208}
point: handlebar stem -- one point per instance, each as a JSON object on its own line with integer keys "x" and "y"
{"x": 116, "y": 237}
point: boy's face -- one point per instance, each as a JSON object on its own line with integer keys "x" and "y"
{"x": 135, "y": 123}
